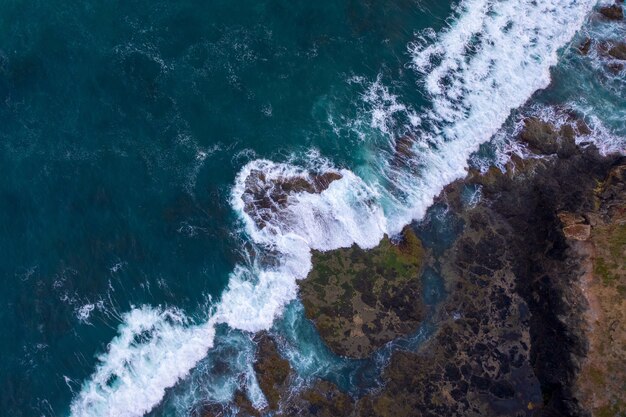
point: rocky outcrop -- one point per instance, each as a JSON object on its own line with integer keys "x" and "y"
{"x": 361, "y": 299}
{"x": 239, "y": 407}
{"x": 265, "y": 195}
{"x": 618, "y": 51}
{"x": 272, "y": 370}
{"x": 322, "y": 399}
{"x": 613, "y": 12}
{"x": 513, "y": 334}
{"x": 544, "y": 138}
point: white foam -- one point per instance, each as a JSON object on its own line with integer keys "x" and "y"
{"x": 472, "y": 95}
{"x": 153, "y": 350}
{"x": 84, "y": 312}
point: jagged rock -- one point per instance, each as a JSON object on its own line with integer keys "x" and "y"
{"x": 361, "y": 299}
{"x": 240, "y": 406}
{"x": 585, "y": 46}
{"x": 264, "y": 197}
{"x": 569, "y": 219}
{"x": 613, "y": 12}
{"x": 272, "y": 370}
{"x": 618, "y": 51}
{"x": 539, "y": 135}
{"x": 544, "y": 138}
{"x": 577, "y": 231}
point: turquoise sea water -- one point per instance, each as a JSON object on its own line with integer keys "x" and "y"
{"x": 123, "y": 128}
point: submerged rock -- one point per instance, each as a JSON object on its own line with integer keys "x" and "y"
{"x": 322, "y": 399}
{"x": 613, "y": 12}
{"x": 585, "y": 46}
{"x": 275, "y": 376}
{"x": 240, "y": 407}
{"x": 272, "y": 370}
{"x": 618, "y": 51}
{"x": 361, "y": 299}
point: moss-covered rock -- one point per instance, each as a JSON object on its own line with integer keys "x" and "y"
{"x": 361, "y": 299}
{"x": 272, "y": 370}
{"x": 613, "y": 12}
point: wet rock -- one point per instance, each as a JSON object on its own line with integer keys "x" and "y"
{"x": 275, "y": 376}
{"x": 272, "y": 370}
{"x": 515, "y": 331}
{"x": 577, "y": 231}
{"x": 544, "y": 138}
{"x": 404, "y": 146}
{"x": 540, "y": 136}
{"x": 265, "y": 196}
{"x": 361, "y": 299}
{"x": 613, "y": 12}
{"x": 323, "y": 399}
{"x": 618, "y": 51}
{"x": 240, "y": 406}
{"x": 584, "y": 46}
{"x": 512, "y": 334}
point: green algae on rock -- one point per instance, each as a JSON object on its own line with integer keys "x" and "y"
{"x": 272, "y": 371}
{"x": 361, "y": 299}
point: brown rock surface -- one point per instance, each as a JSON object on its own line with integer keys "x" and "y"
{"x": 613, "y": 12}
{"x": 577, "y": 231}
{"x": 602, "y": 379}
{"x": 618, "y": 51}
{"x": 272, "y": 370}
{"x": 361, "y": 299}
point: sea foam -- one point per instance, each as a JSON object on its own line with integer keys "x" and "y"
{"x": 493, "y": 56}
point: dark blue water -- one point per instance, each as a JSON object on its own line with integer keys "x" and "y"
{"x": 123, "y": 127}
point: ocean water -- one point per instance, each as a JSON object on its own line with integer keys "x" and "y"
{"x": 133, "y": 271}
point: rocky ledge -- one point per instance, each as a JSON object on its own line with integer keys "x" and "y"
{"x": 361, "y": 299}
{"x": 533, "y": 321}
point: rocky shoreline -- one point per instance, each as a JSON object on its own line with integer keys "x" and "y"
{"x": 532, "y": 323}
{"x": 361, "y": 299}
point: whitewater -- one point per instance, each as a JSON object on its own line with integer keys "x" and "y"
{"x": 489, "y": 61}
